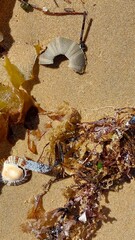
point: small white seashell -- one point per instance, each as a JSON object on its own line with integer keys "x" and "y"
{"x": 14, "y": 171}
{"x": 83, "y": 218}
{"x": 45, "y": 9}
{"x": 127, "y": 124}
{"x": 67, "y": 47}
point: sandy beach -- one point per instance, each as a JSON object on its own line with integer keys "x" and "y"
{"x": 107, "y": 83}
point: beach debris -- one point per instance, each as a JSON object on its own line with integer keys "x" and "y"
{"x": 13, "y": 172}
{"x": 99, "y": 155}
{"x": 37, "y": 167}
{"x": 63, "y": 46}
{"x": 65, "y": 117}
{"x": 56, "y": 3}
{"x": 69, "y": 1}
{"x": 83, "y": 217}
{"x": 16, "y": 77}
{"x": 69, "y": 10}
{"x": 28, "y": 7}
{"x": 67, "y": 47}
{"x": 16, "y": 170}
{"x": 14, "y": 102}
{"x": 72, "y": 50}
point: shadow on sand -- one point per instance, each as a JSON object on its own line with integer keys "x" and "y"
{"x": 6, "y": 11}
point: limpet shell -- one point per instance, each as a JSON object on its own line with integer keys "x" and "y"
{"x": 17, "y": 170}
{"x": 14, "y": 171}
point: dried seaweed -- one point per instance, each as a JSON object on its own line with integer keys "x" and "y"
{"x": 14, "y": 101}
{"x": 98, "y": 155}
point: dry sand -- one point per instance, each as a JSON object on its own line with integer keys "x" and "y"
{"x": 108, "y": 83}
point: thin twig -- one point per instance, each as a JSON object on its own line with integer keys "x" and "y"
{"x": 47, "y": 12}
{"x": 56, "y": 3}
{"x": 83, "y": 26}
{"x": 42, "y": 152}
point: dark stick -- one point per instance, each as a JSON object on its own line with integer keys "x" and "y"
{"x": 56, "y": 3}
{"x": 83, "y": 26}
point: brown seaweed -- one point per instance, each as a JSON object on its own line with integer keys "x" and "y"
{"x": 98, "y": 155}
{"x": 14, "y": 100}
{"x": 14, "y": 104}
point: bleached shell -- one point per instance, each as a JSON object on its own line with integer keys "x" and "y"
{"x": 67, "y": 47}
{"x": 14, "y": 171}
{"x": 83, "y": 218}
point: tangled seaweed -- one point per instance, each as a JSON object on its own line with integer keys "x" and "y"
{"x": 98, "y": 155}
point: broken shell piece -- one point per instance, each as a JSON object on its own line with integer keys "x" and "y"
{"x": 14, "y": 171}
{"x": 37, "y": 167}
{"x": 67, "y": 47}
{"x": 1, "y": 37}
{"x": 83, "y": 218}
{"x": 45, "y": 9}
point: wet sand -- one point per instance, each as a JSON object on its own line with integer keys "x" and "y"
{"x": 108, "y": 83}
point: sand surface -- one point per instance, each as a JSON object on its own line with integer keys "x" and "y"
{"x": 108, "y": 83}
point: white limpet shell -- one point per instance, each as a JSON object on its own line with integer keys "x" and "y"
{"x": 67, "y": 47}
{"x": 17, "y": 170}
{"x": 14, "y": 171}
